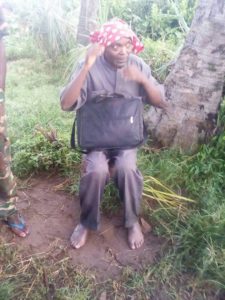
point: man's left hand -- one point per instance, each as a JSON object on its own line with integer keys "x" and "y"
{"x": 131, "y": 72}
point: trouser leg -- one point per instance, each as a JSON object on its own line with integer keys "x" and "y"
{"x": 7, "y": 184}
{"x": 129, "y": 181}
{"x": 92, "y": 184}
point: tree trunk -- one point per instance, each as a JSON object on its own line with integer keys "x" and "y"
{"x": 87, "y": 20}
{"x": 195, "y": 84}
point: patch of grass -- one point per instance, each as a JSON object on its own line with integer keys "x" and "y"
{"x": 41, "y": 277}
{"x": 196, "y": 244}
{"x": 160, "y": 55}
{"x": 32, "y": 99}
{"x": 168, "y": 166}
{"x": 6, "y": 290}
{"x": 38, "y": 154}
{"x": 111, "y": 202}
{"x": 25, "y": 47}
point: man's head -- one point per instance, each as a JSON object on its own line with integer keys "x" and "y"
{"x": 118, "y": 52}
{"x": 119, "y": 41}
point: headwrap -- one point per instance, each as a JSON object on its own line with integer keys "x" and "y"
{"x": 113, "y": 31}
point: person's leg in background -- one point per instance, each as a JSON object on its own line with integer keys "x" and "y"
{"x": 8, "y": 196}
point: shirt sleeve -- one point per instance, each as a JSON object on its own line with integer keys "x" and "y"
{"x": 83, "y": 93}
{"x": 147, "y": 71}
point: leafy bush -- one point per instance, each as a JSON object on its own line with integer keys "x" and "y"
{"x": 38, "y": 154}
{"x": 51, "y": 23}
{"x": 24, "y": 48}
{"x": 160, "y": 55}
{"x": 158, "y": 19}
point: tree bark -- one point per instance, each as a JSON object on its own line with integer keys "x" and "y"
{"x": 87, "y": 20}
{"x": 194, "y": 85}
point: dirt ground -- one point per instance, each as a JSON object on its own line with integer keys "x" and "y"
{"x": 52, "y": 215}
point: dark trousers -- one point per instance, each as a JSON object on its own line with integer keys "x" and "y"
{"x": 127, "y": 178}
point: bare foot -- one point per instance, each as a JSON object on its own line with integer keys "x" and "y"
{"x": 79, "y": 236}
{"x": 135, "y": 236}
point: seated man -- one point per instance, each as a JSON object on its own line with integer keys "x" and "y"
{"x": 8, "y": 197}
{"x": 111, "y": 66}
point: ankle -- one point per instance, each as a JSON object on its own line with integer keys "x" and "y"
{"x": 134, "y": 225}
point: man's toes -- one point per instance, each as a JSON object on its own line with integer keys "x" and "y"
{"x": 139, "y": 244}
{"x": 78, "y": 245}
{"x": 136, "y": 246}
{"x": 79, "y": 236}
{"x": 135, "y": 236}
{"x": 132, "y": 246}
{"x": 75, "y": 245}
{"x": 75, "y": 242}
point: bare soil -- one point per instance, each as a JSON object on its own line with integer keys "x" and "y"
{"x": 52, "y": 214}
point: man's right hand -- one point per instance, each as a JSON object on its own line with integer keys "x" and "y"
{"x": 72, "y": 91}
{"x": 93, "y": 52}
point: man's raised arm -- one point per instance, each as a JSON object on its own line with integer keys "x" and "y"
{"x": 153, "y": 91}
{"x": 72, "y": 91}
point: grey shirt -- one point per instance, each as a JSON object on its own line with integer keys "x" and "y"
{"x": 105, "y": 79}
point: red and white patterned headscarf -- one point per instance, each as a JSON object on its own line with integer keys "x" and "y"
{"x": 113, "y": 31}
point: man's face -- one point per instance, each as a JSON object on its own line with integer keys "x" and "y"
{"x": 117, "y": 53}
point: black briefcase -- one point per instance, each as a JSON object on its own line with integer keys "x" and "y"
{"x": 112, "y": 122}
